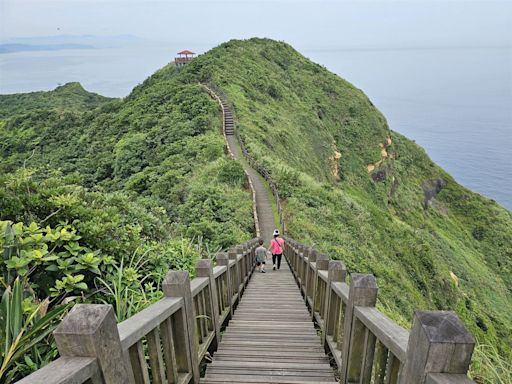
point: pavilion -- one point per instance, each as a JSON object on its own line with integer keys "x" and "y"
{"x": 184, "y": 57}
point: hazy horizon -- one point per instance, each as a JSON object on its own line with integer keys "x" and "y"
{"x": 380, "y": 22}
{"x": 441, "y": 72}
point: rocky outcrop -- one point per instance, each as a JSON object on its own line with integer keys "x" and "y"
{"x": 431, "y": 188}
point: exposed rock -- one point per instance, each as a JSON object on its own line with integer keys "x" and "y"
{"x": 334, "y": 161}
{"x": 392, "y": 191}
{"x": 431, "y": 188}
{"x": 379, "y": 175}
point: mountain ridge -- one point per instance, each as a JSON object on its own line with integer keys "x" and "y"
{"x": 350, "y": 186}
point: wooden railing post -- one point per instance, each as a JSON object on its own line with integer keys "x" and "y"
{"x": 233, "y": 255}
{"x": 254, "y": 245}
{"x": 322, "y": 264}
{"x": 362, "y": 292}
{"x": 223, "y": 260}
{"x": 292, "y": 254}
{"x": 204, "y": 268}
{"x": 310, "y": 274}
{"x": 90, "y": 330}
{"x": 247, "y": 256}
{"x": 177, "y": 284}
{"x": 337, "y": 272}
{"x": 438, "y": 343}
{"x": 300, "y": 267}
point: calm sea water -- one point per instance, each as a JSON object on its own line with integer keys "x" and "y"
{"x": 455, "y": 103}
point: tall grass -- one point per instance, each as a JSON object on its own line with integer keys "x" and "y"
{"x": 124, "y": 287}
{"x": 489, "y": 367}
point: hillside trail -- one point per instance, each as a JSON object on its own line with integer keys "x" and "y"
{"x": 264, "y": 210}
{"x": 271, "y": 337}
{"x": 263, "y": 200}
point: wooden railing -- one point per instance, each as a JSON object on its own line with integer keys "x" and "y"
{"x": 173, "y": 334}
{"x": 367, "y": 346}
{"x": 218, "y": 94}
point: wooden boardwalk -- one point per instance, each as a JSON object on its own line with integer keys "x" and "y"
{"x": 271, "y": 337}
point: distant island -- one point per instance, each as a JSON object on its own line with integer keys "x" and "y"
{"x": 65, "y": 42}
{"x": 11, "y": 48}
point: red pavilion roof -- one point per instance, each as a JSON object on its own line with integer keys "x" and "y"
{"x": 186, "y": 52}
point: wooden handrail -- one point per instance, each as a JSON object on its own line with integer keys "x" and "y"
{"x": 136, "y": 327}
{"x": 66, "y": 370}
{"x": 173, "y": 334}
{"x": 363, "y": 341}
{"x": 389, "y": 333}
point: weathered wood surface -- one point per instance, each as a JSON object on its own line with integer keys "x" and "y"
{"x": 446, "y": 378}
{"x": 366, "y": 345}
{"x": 271, "y": 338}
{"x": 67, "y": 370}
{"x": 394, "y": 337}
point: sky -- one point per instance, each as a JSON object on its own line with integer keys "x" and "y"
{"x": 304, "y": 24}
{"x": 441, "y": 71}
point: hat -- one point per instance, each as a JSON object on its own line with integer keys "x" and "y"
{"x": 276, "y": 232}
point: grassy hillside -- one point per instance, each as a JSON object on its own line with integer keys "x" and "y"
{"x": 365, "y": 194}
{"x": 96, "y": 203}
{"x": 147, "y": 176}
{"x": 70, "y": 96}
{"x": 161, "y": 143}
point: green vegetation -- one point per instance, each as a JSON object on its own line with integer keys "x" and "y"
{"x": 98, "y": 202}
{"x": 70, "y": 96}
{"x": 357, "y": 190}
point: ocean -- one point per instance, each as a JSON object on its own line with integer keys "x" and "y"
{"x": 454, "y": 102}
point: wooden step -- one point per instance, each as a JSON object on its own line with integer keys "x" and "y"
{"x": 255, "y": 380}
{"x": 271, "y": 337}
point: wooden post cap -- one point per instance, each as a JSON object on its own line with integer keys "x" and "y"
{"x": 337, "y": 271}
{"x": 222, "y": 258}
{"x": 90, "y": 330}
{"x": 203, "y": 266}
{"x": 362, "y": 290}
{"x": 176, "y": 283}
{"x": 84, "y": 319}
{"x": 443, "y": 327}
{"x": 322, "y": 262}
{"x": 362, "y": 280}
{"x": 312, "y": 255}
{"x": 439, "y": 343}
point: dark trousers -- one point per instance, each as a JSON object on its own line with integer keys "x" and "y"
{"x": 278, "y": 257}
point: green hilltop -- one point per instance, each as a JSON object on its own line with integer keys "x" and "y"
{"x": 362, "y": 193}
{"x": 70, "y": 96}
{"x": 150, "y": 169}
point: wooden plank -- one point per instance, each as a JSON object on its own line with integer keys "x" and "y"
{"x": 156, "y": 360}
{"x": 169, "y": 351}
{"x": 136, "y": 327}
{"x": 448, "y": 378}
{"x": 341, "y": 289}
{"x": 65, "y": 370}
{"x": 381, "y": 359}
{"x": 219, "y": 270}
{"x": 368, "y": 354}
{"x": 198, "y": 284}
{"x": 271, "y": 338}
{"x": 138, "y": 362}
{"x": 393, "y": 370}
{"x": 256, "y": 380}
{"x": 394, "y": 337}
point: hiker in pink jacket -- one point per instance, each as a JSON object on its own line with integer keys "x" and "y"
{"x": 276, "y": 247}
